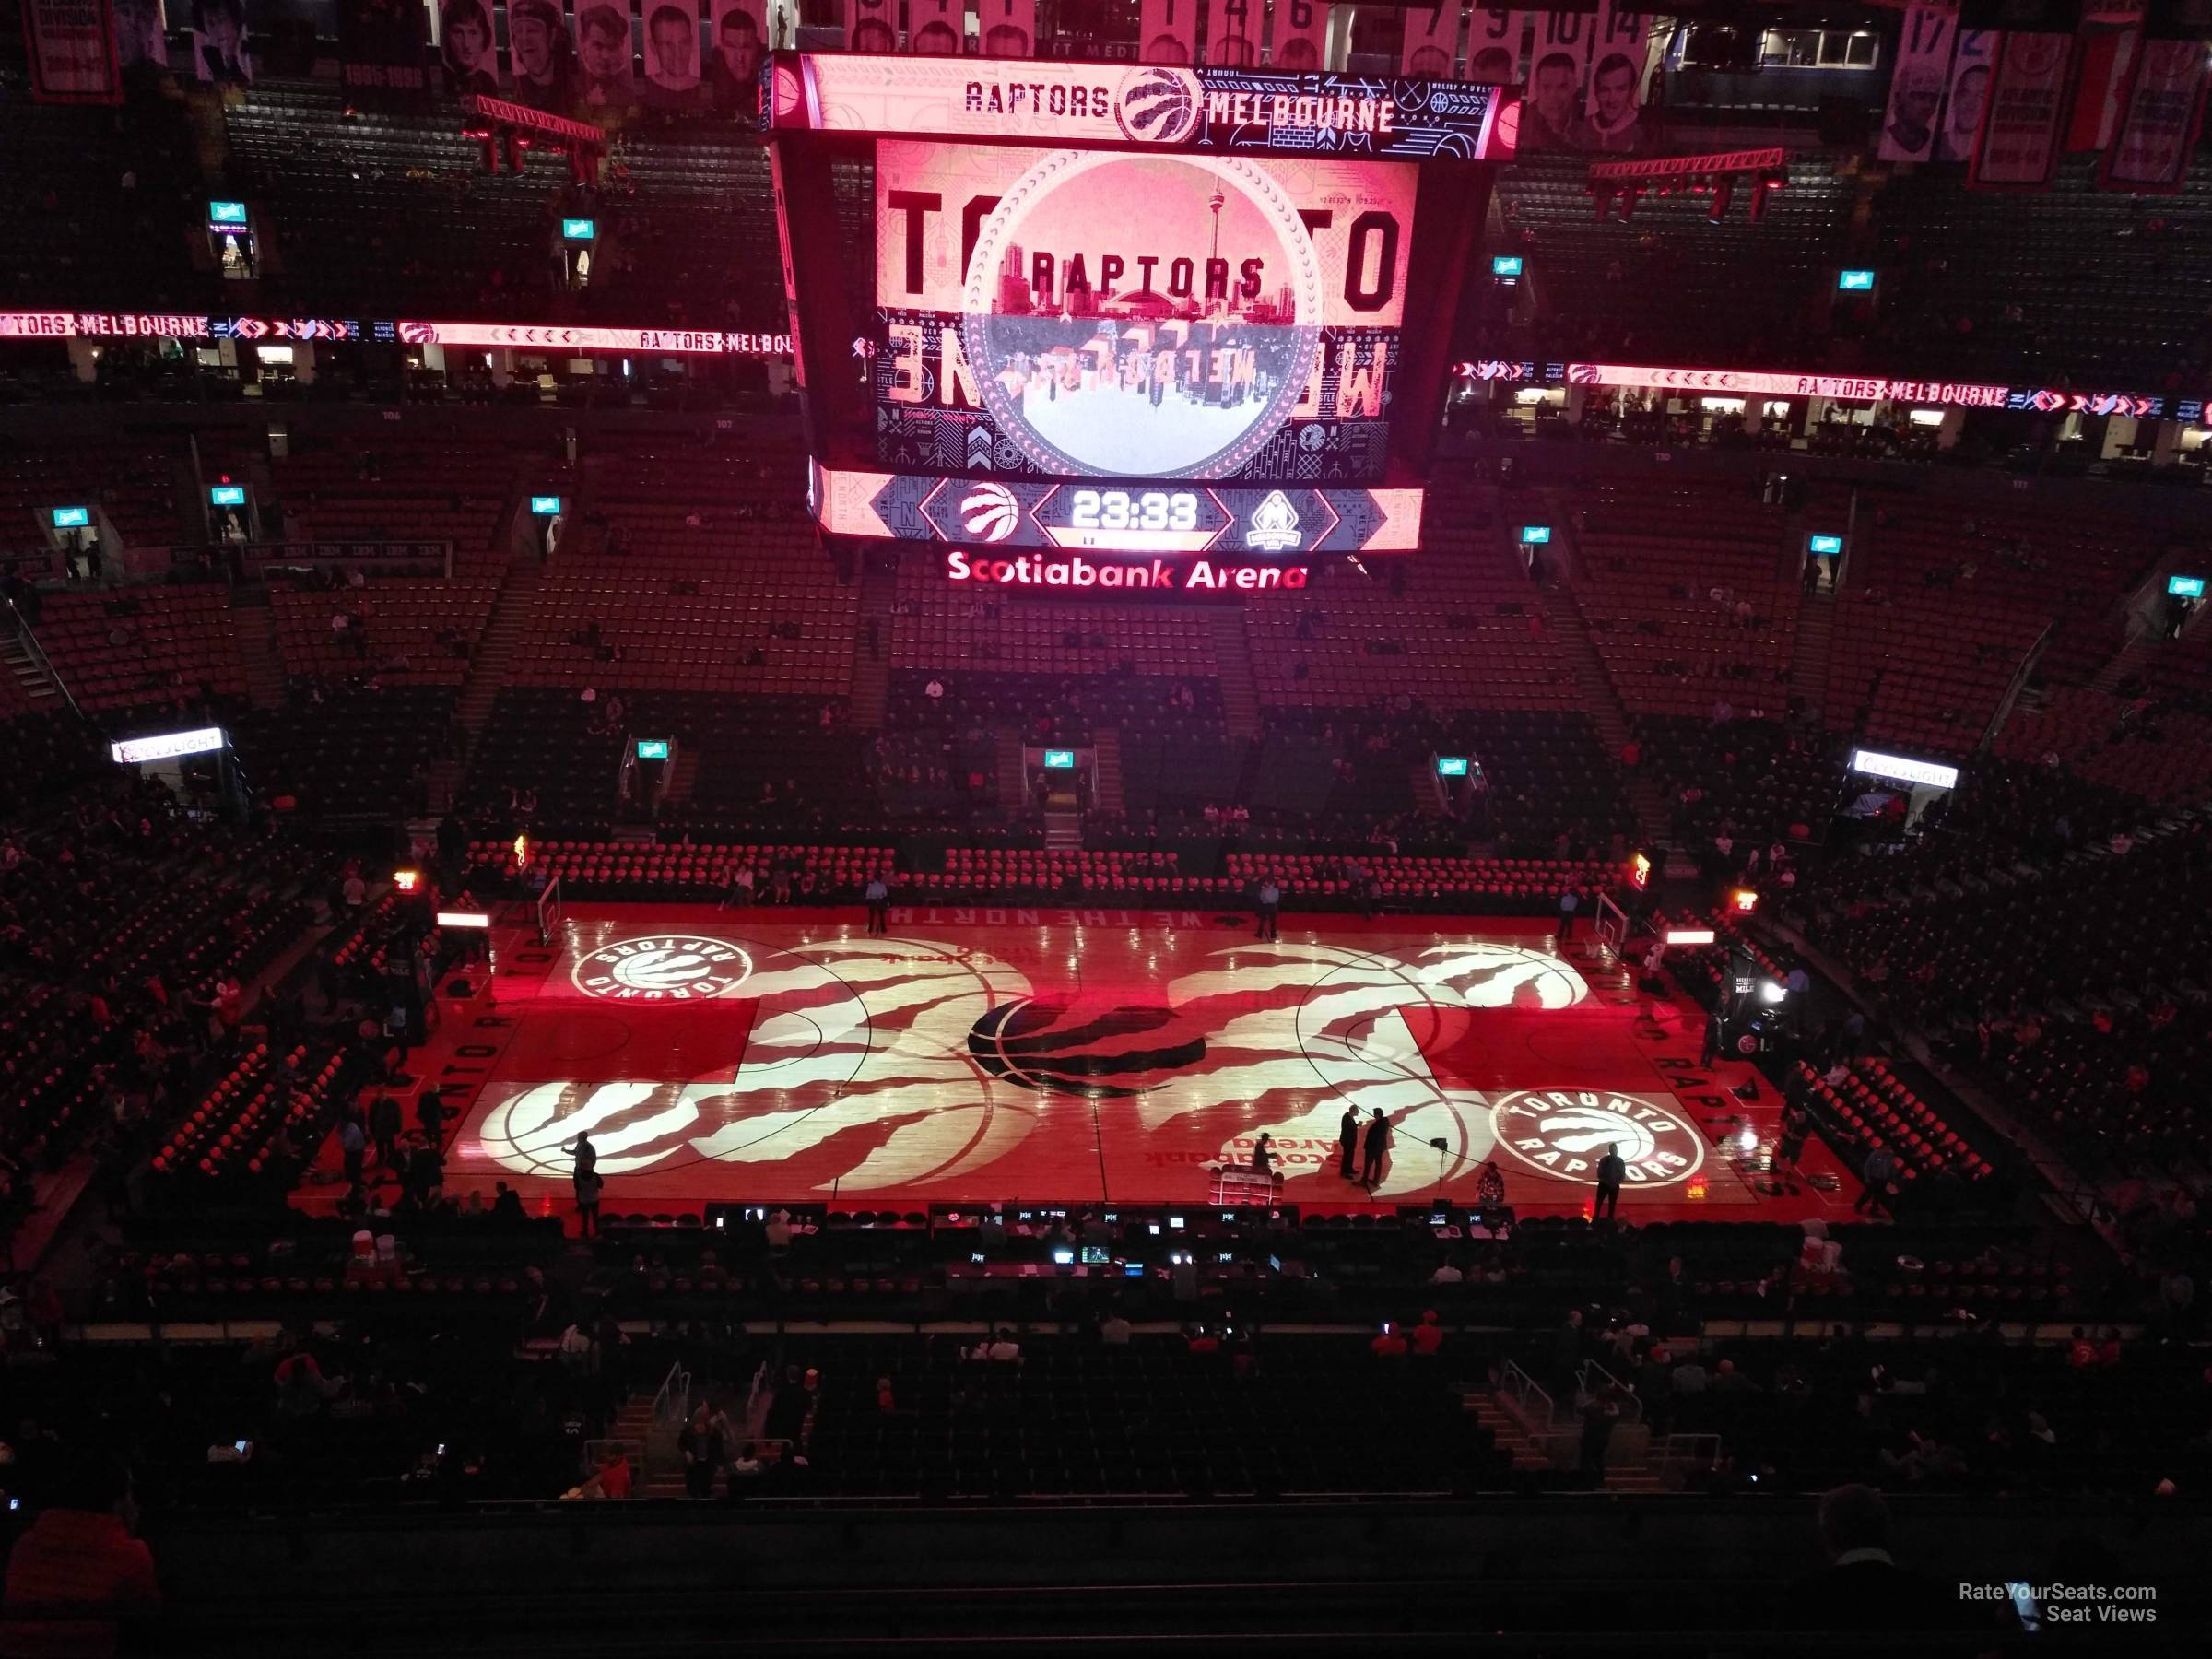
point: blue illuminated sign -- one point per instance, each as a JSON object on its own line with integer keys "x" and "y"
{"x": 1824, "y": 544}
{"x": 73, "y": 518}
{"x": 226, "y": 495}
{"x": 1059, "y": 760}
{"x": 1855, "y": 282}
{"x": 1534, "y": 535}
{"x": 1451, "y": 766}
{"x": 546, "y": 506}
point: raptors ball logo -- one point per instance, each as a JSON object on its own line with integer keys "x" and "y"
{"x": 989, "y": 513}
{"x": 661, "y": 968}
{"x": 1564, "y": 1132}
{"x": 1158, "y": 106}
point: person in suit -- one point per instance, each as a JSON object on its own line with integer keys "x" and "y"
{"x": 1378, "y": 1148}
{"x": 1863, "y": 1588}
{"x": 1348, "y": 1139}
{"x": 878, "y": 896}
{"x": 383, "y": 1128}
{"x": 1611, "y": 1172}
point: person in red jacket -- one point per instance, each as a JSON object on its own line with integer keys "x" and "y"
{"x": 78, "y": 1574}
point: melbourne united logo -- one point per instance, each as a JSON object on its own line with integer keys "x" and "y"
{"x": 989, "y": 513}
{"x": 661, "y": 968}
{"x": 1565, "y": 1132}
{"x": 1275, "y": 526}
{"x": 1084, "y": 1048}
{"x": 1157, "y": 105}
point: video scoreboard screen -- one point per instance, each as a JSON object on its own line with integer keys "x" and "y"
{"x": 1122, "y": 310}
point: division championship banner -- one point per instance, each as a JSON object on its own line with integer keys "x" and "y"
{"x": 71, "y": 44}
{"x": 2160, "y": 115}
{"x": 2023, "y": 129}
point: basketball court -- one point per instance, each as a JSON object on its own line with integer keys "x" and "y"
{"x": 1048, "y": 1055}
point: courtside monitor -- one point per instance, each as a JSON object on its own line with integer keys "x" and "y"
{"x": 2185, "y": 587}
{"x": 546, "y": 506}
{"x": 72, "y": 518}
{"x": 226, "y": 495}
{"x": 579, "y": 230}
{"x": 1855, "y": 282}
{"x": 1059, "y": 760}
{"x": 1451, "y": 766}
{"x": 1125, "y": 326}
{"x": 1823, "y": 545}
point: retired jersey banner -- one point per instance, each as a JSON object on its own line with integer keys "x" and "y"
{"x": 1009, "y": 27}
{"x": 1494, "y": 46}
{"x": 1967, "y": 94}
{"x": 1167, "y": 33}
{"x": 1232, "y": 32}
{"x": 2160, "y": 113}
{"x": 1302, "y": 36}
{"x": 2025, "y": 126}
{"x": 1431, "y": 39}
{"x": 936, "y": 28}
{"x": 1559, "y": 56}
{"x": 1917, "y": 83}
{"x": 380, "y": 46}
{"x": 1613, "y": 120}
{"x": 72, "y": 49}
{"x": 872, "y": 25}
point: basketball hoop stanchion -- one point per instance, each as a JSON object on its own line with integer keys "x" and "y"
{"x": 1612, "y": 930}
{"x": 548, "y": 913}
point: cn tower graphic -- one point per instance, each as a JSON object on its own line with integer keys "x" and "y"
{"x": 1217, "y": 201}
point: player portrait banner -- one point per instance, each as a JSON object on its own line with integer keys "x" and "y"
{"x": 1613, "y": 120}
{"x": 1917, "y": 83}
{"x": 1302, "y": 36}
{"x": 1967, "y": 94}
{"x": 674, "y": 76}
{"x": 141, "y": 37}
{"x": 1167, "y": 31}
{"x": 1431, "y": 48}
{"x": 1247, "y": 112}
{"x": 606, "y": 76}
{"x": 1494, "y": 45}
{"x": 72, "y": 49}
{"x": 1008, "y": 27}
{"x": 218, "y": 42}
{"x": 467, "y": 51}
{"x": 1558, "y": 59}
{"x": 380, "y": 47}
{"x": 2024, "y": 127}
{"x": 2161, "y": 110}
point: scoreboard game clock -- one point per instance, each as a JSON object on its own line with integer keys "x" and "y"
{"x": 1162, "y": 517}
{"x": 1145, "y": 310}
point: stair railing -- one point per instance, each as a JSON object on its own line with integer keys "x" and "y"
{"x": 672, "y": 1405}
{"x": 19, "y": 625}
{"x": 1524, "y": 1391}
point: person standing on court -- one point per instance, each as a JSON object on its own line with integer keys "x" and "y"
{"x": 1569, "y": 902}
{"x": 1378, "y": 1148}
{"x": 383, "y": 1128}
{"x": 585, "y": 1174}
{"x": 1611, "y": 1172}
{"x": 1348, "y": 1139}
{"x": 878, "y": 896}
{"x": 1271, "y": 898}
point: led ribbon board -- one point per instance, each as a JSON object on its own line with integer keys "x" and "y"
{"x": 1149, "y": 106}
{"x": 1156, "y": 518}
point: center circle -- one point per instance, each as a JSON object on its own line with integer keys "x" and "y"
{"x": 1178, "y": 327}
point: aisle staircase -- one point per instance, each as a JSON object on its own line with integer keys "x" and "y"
{"x": 1013, "y": 785}
{"x": 255, "y": 626}
{"x": 495, "y": 652}
{"x": 1814, "y": 653}
{"x": 1232, "y": 666}
{"x": 872, "y": 670}
{"x": 1106, "y": 772}
{"x": 28, "y": 665}
{"x": 1563, "y": 609}
{"x": 2122, "y": 663}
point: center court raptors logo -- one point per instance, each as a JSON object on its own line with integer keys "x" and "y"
{"x": 1096, "y": 1049}
{"x": 661, "y": 968}
{"x": 1564, "y": 1132}
{"x": 1157, "y": 105}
